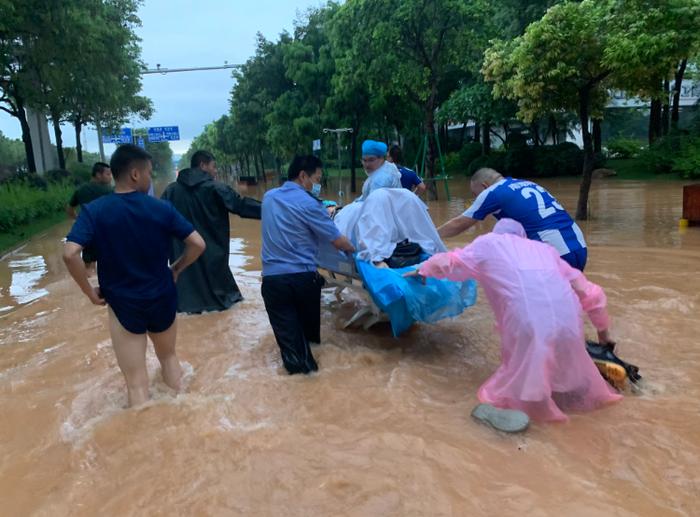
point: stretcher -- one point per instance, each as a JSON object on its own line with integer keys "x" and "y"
{"x": 340, "y": 273}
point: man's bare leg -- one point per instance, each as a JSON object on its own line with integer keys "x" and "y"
{"x": 130, "y": 350}
{"x": 164, "y": 345}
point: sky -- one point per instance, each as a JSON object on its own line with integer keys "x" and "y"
{"x": 183, "y": 33}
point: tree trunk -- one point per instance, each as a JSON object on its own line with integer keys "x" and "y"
{"x": 582, "y": 205}
{"x": 262, "y": 166}
{"x": 665, "y": 119}
{"x": 486, "y": 144}
{"x": 78, "y": 146}
{"x": 553, "y": 129}
{"x": 654, "y": 120}
{"x": 675, "y": 109}
{"x": 100, "y": 143}
{"x": 535, "y": 130}
{"x": 597, "y": 136}
{"x": 26, "y": 134}
{"x": 55, "y": 119}
{"x": 477, "y": 132}
{"x": 258, "y": 174}
{"x": 429, "y": 130}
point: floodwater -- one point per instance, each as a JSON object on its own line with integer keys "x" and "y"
{"x": 383, "y": 428}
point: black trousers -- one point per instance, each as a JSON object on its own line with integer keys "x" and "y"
{"x": 293, "y": 305}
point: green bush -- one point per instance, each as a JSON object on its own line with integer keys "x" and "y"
{"x": 21, "y": 203}
{"x": 564, "y": 159}
{"x": 495, "y": 160}
{"x": 468, "y": 153}
{"x": 687, "y": 160}
{"x": 660, "y": 155}
{"x": 623, "y": 148}
{"x": 519, "y": 160}
{"x": 453, "y": 164}
{"x": 57, "y": 175}
{"x": 458, "y": 162}
{"x": 80, "y": 173}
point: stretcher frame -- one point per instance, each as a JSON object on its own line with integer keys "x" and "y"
{"x": 340, "y": 273}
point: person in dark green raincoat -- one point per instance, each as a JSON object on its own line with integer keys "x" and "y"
{"x": 207, "y": 285}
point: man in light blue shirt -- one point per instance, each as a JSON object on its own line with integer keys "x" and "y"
{"x": 294, "y": 223}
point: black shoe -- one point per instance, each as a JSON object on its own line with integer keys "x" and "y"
{"x": 614, "y": 369}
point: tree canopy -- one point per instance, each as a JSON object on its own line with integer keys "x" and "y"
{"x": 508, "y": 66}
{"x": 77, "y": 60}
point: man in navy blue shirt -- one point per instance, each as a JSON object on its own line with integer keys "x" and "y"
{"x": 409, "y": 179}
{"x": 294, "y": 222}
{"x": 130, "y": 233}
{"x": 543, "y": 218}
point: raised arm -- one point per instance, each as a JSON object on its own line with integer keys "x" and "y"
{"x": 245, "y": 207}
{"x": 343, "y": 243}
{"x": 457, "y": 265}
{"x": 455, "y": 226}
{"x": 592, "y": 298}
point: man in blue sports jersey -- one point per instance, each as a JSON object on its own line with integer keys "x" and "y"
{"x": 543, "y": 218}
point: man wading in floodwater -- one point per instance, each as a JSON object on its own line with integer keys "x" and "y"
{"x": 130, "y": 233}
{"x": 208, "y": 284}
{"x": 294, "y": 221}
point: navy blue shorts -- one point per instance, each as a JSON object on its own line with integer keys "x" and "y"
{"x": 577, "y": 259}
{"x": 141, "y": 316}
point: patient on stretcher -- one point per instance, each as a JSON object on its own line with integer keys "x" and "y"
{"x": 378, "y": 226}
{"x": 390, "y": 228}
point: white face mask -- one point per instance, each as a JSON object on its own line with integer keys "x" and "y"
{"x": 316, "y": 189}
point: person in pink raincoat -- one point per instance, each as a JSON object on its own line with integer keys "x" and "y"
{"x": 538, "y": 300}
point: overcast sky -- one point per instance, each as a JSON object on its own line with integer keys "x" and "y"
{"x": 183, "y": 33}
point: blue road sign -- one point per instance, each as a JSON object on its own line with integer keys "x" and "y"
{"x": 141, "y": 143}
{"x": 123, "y": 137}
{"x": 163, "y": 133}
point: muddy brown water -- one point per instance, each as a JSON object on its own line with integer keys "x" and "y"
{"x": 383, "y": 428}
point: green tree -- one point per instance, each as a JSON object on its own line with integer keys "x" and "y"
{"x": 162, "y": 157}
{"x": 21, "y": 28}
{"x": 107, "y": 95}
{"x": 420, "y": 50}
{"x": 52, "y": 58}
{"x": 349, "y": 103}
{"x": 658, "y": 38}
{"x": 296, "y": 118}
{"x": 12, "y": 157}
{"x": 260, "y": 82}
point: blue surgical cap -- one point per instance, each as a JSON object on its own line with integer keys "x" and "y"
{"x": 373, "y": 148}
